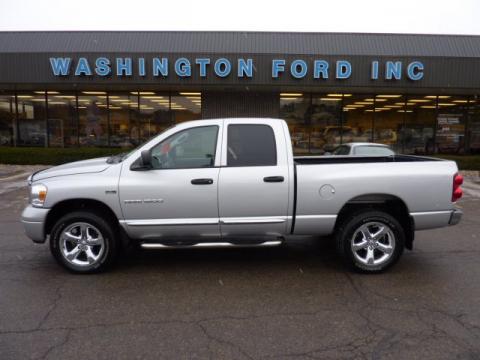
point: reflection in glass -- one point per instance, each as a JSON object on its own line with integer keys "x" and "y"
{"x": 186, "y": 106}
{"x": 62, "y": 119}
{"x": 294, "y": 109}
{"x": 451, "y": 116}
{"x": 7, "y": 119}
{"x": 389, "y": 121}
{"x": 358, "y": 111}
{"x": 419, "y": 132}
{"x": 123, "y": 109}
{"x": 326, "y": 112}
{"x": 31, "y": 118}
{"x": 154, "y": 114}
{"x": 473, "y": 137}
{"x": 93, "y": 118}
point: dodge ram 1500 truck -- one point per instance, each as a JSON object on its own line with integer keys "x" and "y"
{"x": 235, "y": 182}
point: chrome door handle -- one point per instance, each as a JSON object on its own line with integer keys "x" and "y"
{"x": 202, "y": 181}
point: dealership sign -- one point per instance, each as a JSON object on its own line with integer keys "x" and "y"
{"x": 222, "y": 67}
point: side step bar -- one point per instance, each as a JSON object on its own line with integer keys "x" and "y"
{"x": 209, "y": 245}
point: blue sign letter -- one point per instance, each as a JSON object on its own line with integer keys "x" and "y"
{"x": 141, "y": 67}
{"x": 160, "y": 66}
{"x": 124, "y": 66}
{"x": 374, "y": 74}
{"x": 320, "y": 67}
{"x": 245, "y": 68}
{"x": 102, "y": 66}
{"x": 60, "y": 66}
{"x": 298, "y": 69}
{"x": 227, "y": 67}
{"x": 183, "y": 68}
{"x": 344, "y": 69}
{"x": 415, "y": 70}
{"x": 278, "y": 66}
{"x": 393, "y": 70}
{"x": 83, "y": 68}
{"x": 203, "y": 66}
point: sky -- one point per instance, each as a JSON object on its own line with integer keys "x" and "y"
{"x": 387, "y": 16}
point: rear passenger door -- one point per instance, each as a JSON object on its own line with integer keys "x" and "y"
{"x": 253, "y": 180}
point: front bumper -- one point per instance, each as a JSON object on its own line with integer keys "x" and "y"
{"x": 33, "y": 220}
{"x": 455, "y": 217}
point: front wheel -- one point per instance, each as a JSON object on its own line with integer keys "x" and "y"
{"x": 83, "y": 242}
{"x": 370, "y": 241}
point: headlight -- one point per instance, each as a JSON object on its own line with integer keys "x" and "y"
{"x": 38, "y": 194}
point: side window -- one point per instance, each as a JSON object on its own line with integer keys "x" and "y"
{"x": 251, "y": 145}
{"x": 190, "y": 148}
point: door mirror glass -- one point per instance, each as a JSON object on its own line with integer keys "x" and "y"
{"x": 146, "y": 159}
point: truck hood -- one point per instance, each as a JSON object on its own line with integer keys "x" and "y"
{"x": 78, "y": 167}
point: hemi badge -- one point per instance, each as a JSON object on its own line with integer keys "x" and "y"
{"x": 108, "y": 192}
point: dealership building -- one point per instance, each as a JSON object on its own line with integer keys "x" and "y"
{"x": 417, "y": 93}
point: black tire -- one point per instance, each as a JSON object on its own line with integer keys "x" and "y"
{"x": 107, "y": 231}
{"x": 347, "y": 229}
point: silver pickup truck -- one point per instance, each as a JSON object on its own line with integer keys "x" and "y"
{"x": 235, "y": 182}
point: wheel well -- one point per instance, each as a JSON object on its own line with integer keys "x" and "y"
{"x": 391, "y": 204}
{"x": 67, "y": 206}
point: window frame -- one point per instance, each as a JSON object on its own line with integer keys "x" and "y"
{"x": 243, "y": 124}
{"x": 218, "y": 128}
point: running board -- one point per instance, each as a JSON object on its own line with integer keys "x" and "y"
{"x": 210, "y": 245}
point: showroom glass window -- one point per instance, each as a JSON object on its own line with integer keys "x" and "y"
{"x": 93, "y": 118}
{"x": 450, "y": 122}
{"x": 420, "y": 118}
{"x": 358, "y": 111}
{"x": 389, "y": 120}
{"x": 123, "y": 110}
{"x": 295, "y": 109}
{"x": 186, "y": 106}
{"x": 7, "y": 119}
{"x": 62, "y": 119}
{"x": 154, "y": 116}
{"x": 473, "y": 134}
{"x": 31, "y": 108}
{"x": 325, "y": 115}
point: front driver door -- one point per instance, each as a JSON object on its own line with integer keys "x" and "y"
{"x": 178, "y": 197}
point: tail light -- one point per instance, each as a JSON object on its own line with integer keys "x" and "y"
{"x": 457, "y": 190}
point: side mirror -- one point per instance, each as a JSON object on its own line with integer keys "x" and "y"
{"x": 146, "y": 159}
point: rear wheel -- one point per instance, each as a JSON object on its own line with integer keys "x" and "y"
{"x": 83, "y": 242}
{"x": 370, "y": 241}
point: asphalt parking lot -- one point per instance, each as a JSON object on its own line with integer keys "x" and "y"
{"x": 292, "y": 302}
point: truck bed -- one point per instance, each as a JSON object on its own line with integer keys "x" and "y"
{"x": 324, "y": 184}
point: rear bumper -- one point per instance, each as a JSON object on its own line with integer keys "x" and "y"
{"x": 33, "y": 220}
{"x": 436, "y": 219}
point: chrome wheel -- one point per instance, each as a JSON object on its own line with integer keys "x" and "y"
{"x": 82, "y": 244}
{"x": 373, "y": 243}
